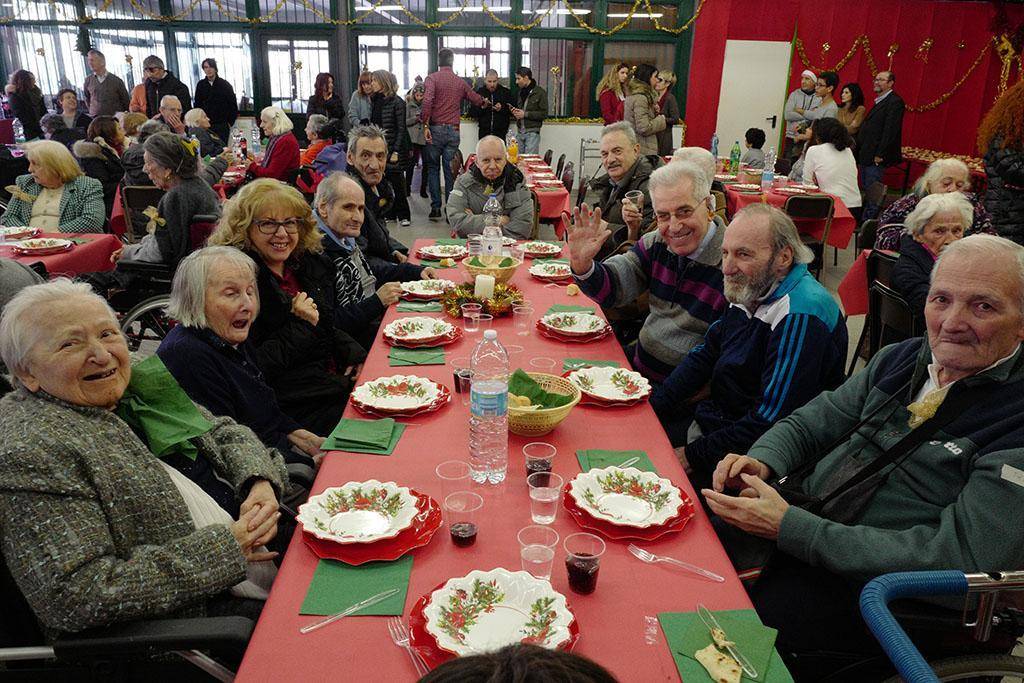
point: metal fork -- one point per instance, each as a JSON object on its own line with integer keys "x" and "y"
{"x": 400, "y": 636}
{"x": 651, "y": 558}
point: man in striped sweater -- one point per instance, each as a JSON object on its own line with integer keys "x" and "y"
{"x": 781, "y": 342}
{"x": 677, "y": 265}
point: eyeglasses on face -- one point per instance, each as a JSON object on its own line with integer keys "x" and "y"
{"x": 269, "y": 226}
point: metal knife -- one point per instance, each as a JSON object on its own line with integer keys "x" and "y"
{"x": 372, "y": 600}
{"x": 709, "y": 620}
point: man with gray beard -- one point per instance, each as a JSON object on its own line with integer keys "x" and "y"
{"x": 779, "y": 344}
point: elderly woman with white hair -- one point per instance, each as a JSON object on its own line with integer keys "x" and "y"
{"x": 55, "y": 195}
{"x": 941, "y": 176}
{"x": 936, "y": 222}
{"x": 215, "y": 299}
{"x": 100, "y": 525}
{"x": 281, "y": 156}
{"x": 197, "y": 124}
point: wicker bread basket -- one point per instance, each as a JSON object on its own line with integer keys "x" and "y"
{"x": 542, "y": 420}
{"x": 500, "y": 275}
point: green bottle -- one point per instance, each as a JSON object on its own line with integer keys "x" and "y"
{"x": 734, "y": 157}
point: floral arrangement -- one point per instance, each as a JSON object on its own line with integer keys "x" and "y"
{"x": 501, "y": 302}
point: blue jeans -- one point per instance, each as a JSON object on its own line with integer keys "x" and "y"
{"x": 440, "y": 152}
{"x": 869, "y": 175}
{"x": 529, "y": 142}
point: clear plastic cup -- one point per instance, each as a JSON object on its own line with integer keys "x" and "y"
{"x": 540, "y": 456}
{"x": 484, "y": 321}
{"x": 636, "y": 198}
{"x": 462, "y": 376}
{"x": 471, "y": 316}
{"x": 543, "y": 364}
{"x": 583, "y": 561}
{"x": 522, "y": 319}
{"x": 462, "y": 509}
{"x": 537, "y": 550}
{"x": 453, "y": 475}
{"x": 545, "y": 487}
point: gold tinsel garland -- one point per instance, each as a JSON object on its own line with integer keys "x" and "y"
{"x": 501, "y": 303}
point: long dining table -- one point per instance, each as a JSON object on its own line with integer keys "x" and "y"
{"x": 615, "y": 621}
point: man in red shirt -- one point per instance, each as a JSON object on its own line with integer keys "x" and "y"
{"x": 442, "y": 106}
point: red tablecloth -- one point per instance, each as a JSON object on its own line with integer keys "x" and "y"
{"x": 611, "y": 620}
{"x": 118, "y": 221}
{"x": 853, "y": 290}
{"x": 553, "y": 200}
{"x": 90, "y": 256}
{"x": 843, "y": 222}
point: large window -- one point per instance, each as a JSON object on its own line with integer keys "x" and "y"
{"x": 231, "y": 52}
{"x": 48, "y": 52}
{"x": 403, "y": 55}
{"x": 126, "y": 50}
{"x": 389, "y": 14}
{"x": 474, "y": 55}
{"x": 293, "y": 66}
{"x": 562, "y": 68}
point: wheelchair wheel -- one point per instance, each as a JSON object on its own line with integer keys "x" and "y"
{"x": 975, "y": 668}
{"x": 147, "y": 322}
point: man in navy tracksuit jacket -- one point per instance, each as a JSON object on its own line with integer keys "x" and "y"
{"x": 779, "y": 344}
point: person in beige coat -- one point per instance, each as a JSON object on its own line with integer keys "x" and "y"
{"x": 641, "y": 109}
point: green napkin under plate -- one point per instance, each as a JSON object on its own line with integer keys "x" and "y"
{"x": 596, "y": 458}
{"x": 419, "y": 306}
{"x": 521, "y": 384}
{"x": 337, "y": 585}
{"x": 458, "y": 241}
{"x": 432, "y": 355}
{"x": 551, "y": 260}
{"x": 686, "y": 633}
{"x": 376, "y": 437}
{"x": 570, "y": 364}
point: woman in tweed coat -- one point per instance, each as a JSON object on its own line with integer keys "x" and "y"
{"x": 94, "y": 528}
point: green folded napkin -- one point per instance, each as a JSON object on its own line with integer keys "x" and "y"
{"x": 686, "y": 633}
{"x": 420, "y": 306}
{"x": 576, "y": 363}
{"x": 521, "y": 384}
{"x": 78, "y": 240}
{"x": 503, "y": 263}
{"x": 155, "y": 406}
{"x": 460, "y": 241}
{"x": 551, "y": 260}
{"x": 596, "y": 458}
{"x": 431, "y": 355}
{"x": 569, "y": 308}
{"x": 337, "y": 585}
{"x": 376, "y": 437}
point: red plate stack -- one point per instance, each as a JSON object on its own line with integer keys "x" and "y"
{"x": 450, "y": 337}
{"x": 619, "y": 532}
{"x": 424, "y": 526}
{"x": 592, "y": 400}
{"x": 585, "y": 338}
{"x": 443, "y": 397}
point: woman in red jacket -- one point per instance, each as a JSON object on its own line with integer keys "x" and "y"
{"x": 281, "y": 156}
{"x": 610, "y": 93}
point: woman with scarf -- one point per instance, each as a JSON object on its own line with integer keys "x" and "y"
{"x": 281, "y": 157}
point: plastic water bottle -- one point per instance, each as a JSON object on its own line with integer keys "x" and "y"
{"x": 734, "y": 157}
{"x": 491, "y": 241}
{"x": 714, "y": 145}
{"x": 254, "y": 149}
{"x": 19, "y": 132}
{"x": 488, "y": 411}
{"x": 768, "y": 174}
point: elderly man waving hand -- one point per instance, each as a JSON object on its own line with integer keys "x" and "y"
{"x": 942, "y": 420}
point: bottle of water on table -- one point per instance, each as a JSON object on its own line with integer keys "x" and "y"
{"x": 19, "y": 132}
{"x": 768, "y": 174}
{"x": 488, "y": 411}
{"x": 491, "y": 238}
{"x": 714, "y": 145}
{"x": 254, "y": 148}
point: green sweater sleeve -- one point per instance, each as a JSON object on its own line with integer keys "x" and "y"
{"x": 963, "y": 538}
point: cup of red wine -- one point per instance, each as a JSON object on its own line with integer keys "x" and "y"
{"x": 462, "y": 509}
{"x": 583, "y": 553}
{"x": 540, "y": 456}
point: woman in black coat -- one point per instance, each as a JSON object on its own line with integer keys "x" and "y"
{"x": 309, "y": 363}
{"x": 324, "y": 100}
{"x": 389, "y": 113}
{"x": 1001, "y": 140}
{"x": 26, "y": 103}
{"x": 99, "y": 158}
{"x": 216, "y": 97}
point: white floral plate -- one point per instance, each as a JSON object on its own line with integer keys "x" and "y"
{"x": 427, "y": 288}
{"x": 548, "y": 270}
{"x": 541, "y": 248}
{"x": 418, "y": 328}
{"x": 573, "y": 324}
{"x": 508, "y": 241}
{"x": 440, "y": 251}
{"x": 19, "y": 232}
{"x": 725, "y": 176}
{"x": 626, "y": 497}
{"x": 487, "y": 610}
{"x": 612, "y": 384}
{"x": 807, "y": 186}
{"x": 745, "y": 186}
{"x": 790, "y": 190}
{"x": 359, "y": 512}
{"x": 397, "y": 392}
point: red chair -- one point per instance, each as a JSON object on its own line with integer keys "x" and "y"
{"x": 469, "y": 162}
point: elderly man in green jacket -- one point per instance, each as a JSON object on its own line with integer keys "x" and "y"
{"x": 942, "y": 416}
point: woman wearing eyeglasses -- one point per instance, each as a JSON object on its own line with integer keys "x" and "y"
{"x": 309, "y": 363}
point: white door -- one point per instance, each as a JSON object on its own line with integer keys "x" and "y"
{"x": 754, "y": 79}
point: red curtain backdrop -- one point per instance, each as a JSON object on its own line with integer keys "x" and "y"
{"x": 951, "y": 127}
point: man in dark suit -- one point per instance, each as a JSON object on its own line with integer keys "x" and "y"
{"x": 879, "y": 141}
{"x": 493, "y": 119}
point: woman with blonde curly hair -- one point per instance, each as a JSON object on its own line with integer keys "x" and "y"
{"x": 1001, "y": 140}
{"x": 308, "y": 362}
{"x": 611, "y": 93}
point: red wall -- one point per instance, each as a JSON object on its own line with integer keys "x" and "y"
{"x": 950, "y": 128}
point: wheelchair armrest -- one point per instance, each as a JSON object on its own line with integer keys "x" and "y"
{"x": 155, "y": 636}
{"x": 146, "y": 269}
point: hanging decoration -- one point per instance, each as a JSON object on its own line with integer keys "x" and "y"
{"x": 922, "y": 51}
{"x": 825, "y": 47}
{"x": 1007, "y": 53}
{"x": 893, "y": 49}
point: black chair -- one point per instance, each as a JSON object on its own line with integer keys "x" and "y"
{"x": 560, "y": 165}
{"x": 890, "y": 318}
{"x": 581, "y": 193}
{"x": 879, "y": 269}
{"x": 805, "y": 210}
{"x": 864, "y": 238}
{"x": 783, "y": 166}
{"x": 568, "y": 176}
{"x": 547, "y": 156}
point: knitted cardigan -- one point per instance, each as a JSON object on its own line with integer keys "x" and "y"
{"x": 91, "y": 527}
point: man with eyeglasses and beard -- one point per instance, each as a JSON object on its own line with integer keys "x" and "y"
{"x": 780, "y": 343}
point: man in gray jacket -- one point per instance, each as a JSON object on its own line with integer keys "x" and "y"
{"x": 491, "y": 174}
{"x": 105, "y": 94}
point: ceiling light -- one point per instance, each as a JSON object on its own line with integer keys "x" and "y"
{"x": 623, "y": 15}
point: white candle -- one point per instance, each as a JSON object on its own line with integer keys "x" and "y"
{"x": 484, "y": 287}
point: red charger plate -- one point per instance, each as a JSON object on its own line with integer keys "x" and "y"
{"x": 550, "y": 334}
{"x": 438, "y": 403}
{"x": 22, "y": 251}
{"x": 617, "y": 532}
{"x": 443, "y": 340}
{"x": 416, "y": 536}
